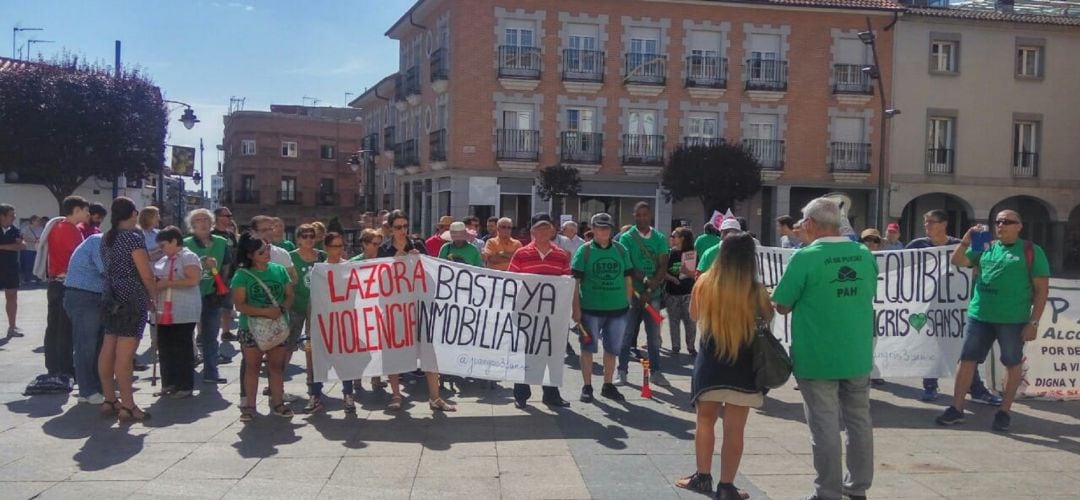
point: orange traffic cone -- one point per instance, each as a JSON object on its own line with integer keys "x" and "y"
{"x": 646, "y": 391}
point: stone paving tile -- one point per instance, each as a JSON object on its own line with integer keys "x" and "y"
{"x": 464, "y": 488}
{"x": 24, "y": 489}
{"x": 359, "y": 471}
{"x": 306, "y": 468}
{"x": 543, "y": 487}
{"x": 624, "y": 476}
{"x": 437, "y": 466}
{"x": 211, "y": 461}
{"x": 109, "y": 463}
{"x": 532, "y": 448}
{"x": 91, "y": 489}
{"x": 180, "y": 488}
{"x": 373, "y": 488}
{"x": 284, "y": 488}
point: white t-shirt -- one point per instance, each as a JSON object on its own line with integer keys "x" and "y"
{"x": 186, "y": 301}
{"x": 280, "y": 256}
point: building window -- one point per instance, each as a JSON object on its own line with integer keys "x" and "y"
{"x": 943, "y": 56}
{"x": 940, "y": 150}
{"x": 702, "y": 129}
{"x": 288, "y": 192}
{"x": 247, "y": 147}
{"x": 326, "y": 152}
{"x": 288, "y": 149}
{"x": 1025, "y": 148}
{"x": 1029, "y": 62}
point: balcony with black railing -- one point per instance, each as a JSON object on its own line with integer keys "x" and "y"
{"x": 1025, "y": 164}
{"x": 939, "y": 161}
{"x": 768, "y": 152}
{"x": 389, "y": 138}
{"x": 246, "y": 197}
{"x": 643, "y": 149}
{"x": 766, "y": 75}
{"x": 327, "y": 199}
{"x": 517, "y": 145}
{"x": 849, "y": 157}
{"x": 579, "y": 65}
{"x": 288, "y": 197}
{"x": 405, "y": 154}
{"x": 519, "y": 62}
{"x": 706, "y": 72}
{"x": 412, "y": 81}
{"x": 851, "y": 79}
{"x": 440, "y": 65}
{"x": 645, "y": 69}
{"x": 581, "y": 147}
{"x": 437, "y": 145}
{"x": 706, "y": 142}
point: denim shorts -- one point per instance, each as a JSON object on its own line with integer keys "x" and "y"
{"x": 979, "y": 337}
{"x": 606, "y": 329}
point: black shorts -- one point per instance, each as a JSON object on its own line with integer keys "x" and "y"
{"x": 9, "y": 279}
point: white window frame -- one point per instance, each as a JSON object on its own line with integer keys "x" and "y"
{"x": 699, "y": 123}
{"x": 1025, "y": 133}
{"x": 289, "y": 149}
{"x": 248, "y": 147}
{"x": 1025, "y": 55}
{"x": 943, "y": 61}
{"x": 940, "y": 132}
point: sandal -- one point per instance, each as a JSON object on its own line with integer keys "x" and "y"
{"x": 133, "y": 414}
{"x": 282, "y": 410}
{"x": 110, "y": 408}
{"x": 378, "y": 384}
{"x": 701, "y": 483}
{"x": 440, "y": 405}
{"x": 395, "y": 403}
{"x": 247, "y": 413}
{"x": 314, "y": 405}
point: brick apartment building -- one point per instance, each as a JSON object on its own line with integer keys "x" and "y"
{"x": 489, "y": 92}
{"x": 292, "y": 162}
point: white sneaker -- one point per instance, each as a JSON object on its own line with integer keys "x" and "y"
{"x": 658, "y": 378}
{"x": 620, "y": 378}
{"x": 94, "y": 399}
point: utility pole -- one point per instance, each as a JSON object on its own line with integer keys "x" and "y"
{"x": 202, "y": 173}
{"x": 116, "y": 75}
{"x": 15, "y": 31}
{"x": 30, "y": 44}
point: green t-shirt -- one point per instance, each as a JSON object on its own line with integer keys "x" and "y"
{"x": 465, "y": 254}
{"x": 636, "y": 246}
{"x": 357, "y": 258}
{"x": 830, "y": 286}
{"x": 1003, "y": 286}
{"x": 217, "y": 249}
{"x": 302, "y": 288}
{"x": 287, "y": 245}
{"x": 706, "y": 259}
{"x": 274, "y": 276}
{"x": 603, "y": 283}
{"x": 704, "y": 242}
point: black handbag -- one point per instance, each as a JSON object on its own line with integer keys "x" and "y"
{"x": 772, "y": 364}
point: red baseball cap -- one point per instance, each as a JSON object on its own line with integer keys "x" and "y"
{"x": 892, "y": 227}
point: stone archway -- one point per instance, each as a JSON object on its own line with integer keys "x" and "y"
{"x": 1072, "y": 244}
{"x": 961, "y": 215}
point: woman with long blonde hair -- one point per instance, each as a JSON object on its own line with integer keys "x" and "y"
{"x": 727, "y": 302}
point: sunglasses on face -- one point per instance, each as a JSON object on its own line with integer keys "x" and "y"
{"x": 399, "y": 228}
{"x": 1006, "y": 222}
{"x": 306, "y": 236}
{"x": 872, "y": 239}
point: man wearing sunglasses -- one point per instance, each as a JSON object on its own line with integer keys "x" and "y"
{"x": 936, "y": 225}
{"x": 1012, "y": 282}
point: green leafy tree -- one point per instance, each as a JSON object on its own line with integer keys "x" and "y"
{"x": 718, "y": 175}
{"x": 63, "y": 122}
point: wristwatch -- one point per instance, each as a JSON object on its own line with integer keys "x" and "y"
{"x": 1034, "y": 324}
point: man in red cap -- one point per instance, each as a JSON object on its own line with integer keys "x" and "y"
{"x": 892, "y": 238}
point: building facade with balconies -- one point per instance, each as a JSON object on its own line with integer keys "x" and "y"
{"x": 292, "y": 162}
{"x": 989, "y": 94}
{"x": 612, "y": 87}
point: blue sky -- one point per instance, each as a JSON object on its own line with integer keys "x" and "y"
{"x": 202, "y": 52}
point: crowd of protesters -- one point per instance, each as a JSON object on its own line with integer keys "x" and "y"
{"x": 103, "y": 289}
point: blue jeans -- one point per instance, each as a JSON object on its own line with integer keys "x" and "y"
{"x": 87, "y": 334}
{"x": 315, "y": 388}
{"x": 209, "y": 325}
{"x": 606, "y": 330}
{"x": 634, "y": 318}
{"x": 26, "y": 265}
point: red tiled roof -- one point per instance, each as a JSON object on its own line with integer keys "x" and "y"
{"x": 829, "y": 4}
{"x": 990, "y": 15}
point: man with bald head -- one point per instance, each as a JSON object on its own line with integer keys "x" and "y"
{"x": 1012, "y": 282}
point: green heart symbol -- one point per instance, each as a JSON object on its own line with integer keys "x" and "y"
{"x": 917, "y": 320}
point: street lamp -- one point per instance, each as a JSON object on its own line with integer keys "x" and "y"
{"x": 189, "y": 120}
{"x": 364, "y": 158}
{"x": 874, "y": 72}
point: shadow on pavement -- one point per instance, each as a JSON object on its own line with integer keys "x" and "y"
{"x": 108, "y": 447}
{"x": 41, "y": 405}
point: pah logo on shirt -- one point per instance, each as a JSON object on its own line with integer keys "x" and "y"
{"x": 846, "y": 275}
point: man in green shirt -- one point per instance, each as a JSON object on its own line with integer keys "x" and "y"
{"x": 648, "y": 252}
{"x": 706, "y": 258}
{"x": 829, "y": 285}
{"x": 707, "y": 239}
{"x": 458, "y": 248}
{"x": 604, "y": 289}
{"x": 1012, "y": 282}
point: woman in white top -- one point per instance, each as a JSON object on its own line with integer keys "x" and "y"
{"x": 179, "y": 307}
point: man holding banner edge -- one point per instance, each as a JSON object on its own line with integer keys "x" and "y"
{"x": 540, "y": 256}
{"x": 1012, "y": 283}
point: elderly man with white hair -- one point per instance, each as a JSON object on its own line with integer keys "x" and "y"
{"x": 833, "y": 353}
{"x": 568, "y": 239}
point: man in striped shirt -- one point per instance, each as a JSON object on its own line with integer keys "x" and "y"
{"x": 540, "y": 256}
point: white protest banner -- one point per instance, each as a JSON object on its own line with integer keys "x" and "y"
{"x": 383, "y": 316}
{"x": 1052, "y": 360}
{"x": 494, "y": 325}
{"x": 920, "y": 309}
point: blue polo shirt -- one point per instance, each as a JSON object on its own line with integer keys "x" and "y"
{"x": 86, "y": 271}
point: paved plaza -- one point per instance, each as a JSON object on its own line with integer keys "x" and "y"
{"x": 51, "y": 447}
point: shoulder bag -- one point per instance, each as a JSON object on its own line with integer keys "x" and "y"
{"x": 269, "y": 333}
{"x": 772, "y": 364}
